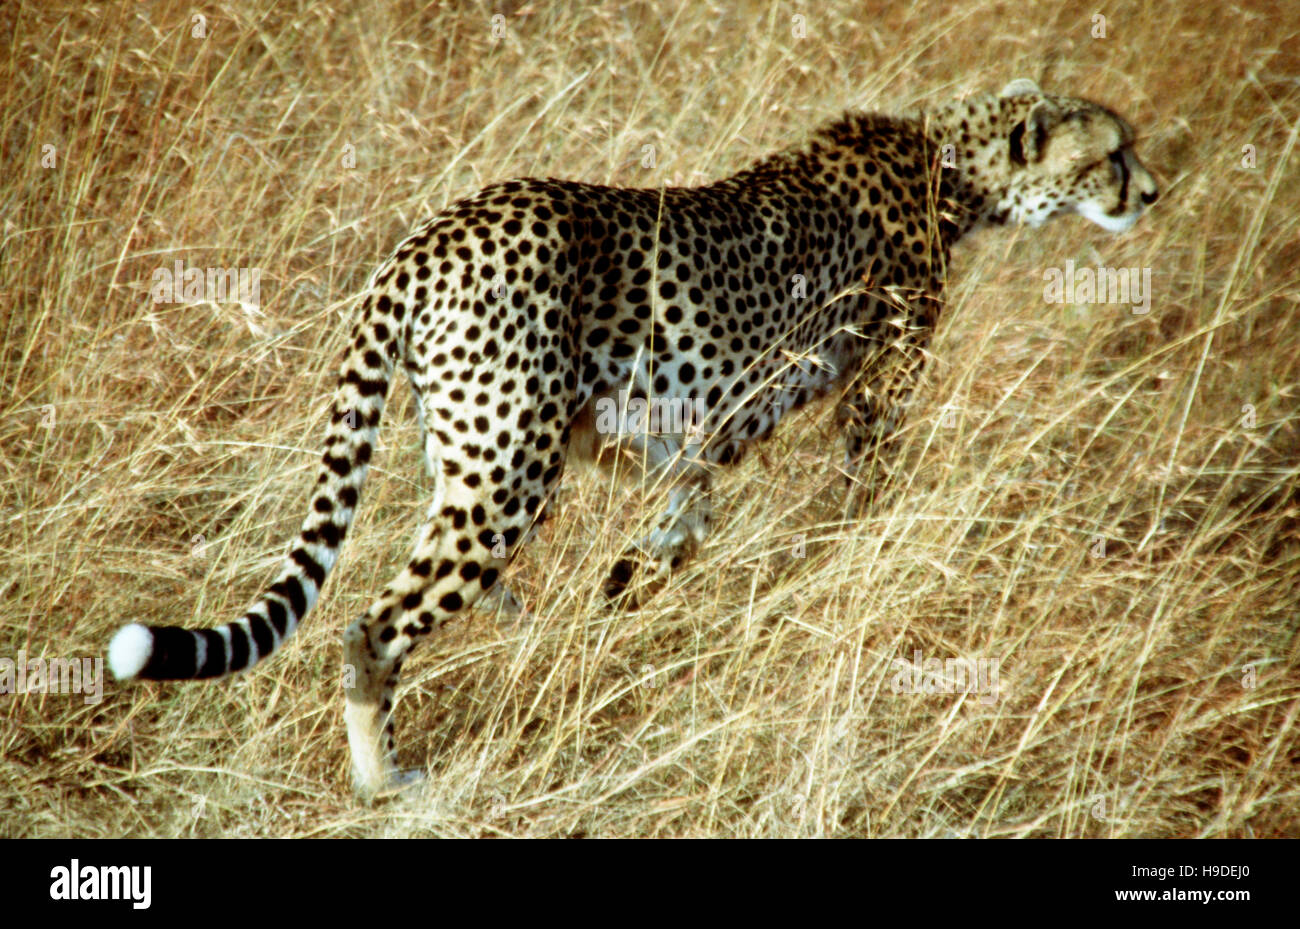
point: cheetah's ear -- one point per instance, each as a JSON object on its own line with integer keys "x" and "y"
{"x": 1029, "y": 138}
{"x": 1021, "y": 87}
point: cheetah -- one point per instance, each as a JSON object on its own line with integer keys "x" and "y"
{"x": 524, "y": 313}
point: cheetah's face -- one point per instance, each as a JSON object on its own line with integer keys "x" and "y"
{"x": 1073, "y": 156}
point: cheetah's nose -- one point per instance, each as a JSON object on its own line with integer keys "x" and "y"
{"x": 1149, "y": 196}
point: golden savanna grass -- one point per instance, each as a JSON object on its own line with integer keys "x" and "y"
{"x": 1102, "y": 502}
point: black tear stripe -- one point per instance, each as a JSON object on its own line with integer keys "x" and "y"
{"x": 1040, "y": 139}
{"x": 1123, "y": 184}
{"x": 1017, "y": 143}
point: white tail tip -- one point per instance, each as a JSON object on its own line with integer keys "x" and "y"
{"x": 129, "y": 651}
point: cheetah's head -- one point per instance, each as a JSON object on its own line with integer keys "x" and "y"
{"x": 1066, "y": 155}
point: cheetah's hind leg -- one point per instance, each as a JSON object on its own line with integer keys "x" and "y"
{"x": 455, "y": 563}
{"x": 501, "y": 603}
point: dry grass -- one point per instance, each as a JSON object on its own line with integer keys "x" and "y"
{"x": 1147, "y": 685}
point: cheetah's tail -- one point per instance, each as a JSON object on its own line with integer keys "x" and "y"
{"x": 177, "y": 653}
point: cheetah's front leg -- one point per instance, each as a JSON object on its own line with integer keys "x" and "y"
{"x": 504, "y": 606}
{"x": 870, "y": 424}
{"x": 677, "y": 533}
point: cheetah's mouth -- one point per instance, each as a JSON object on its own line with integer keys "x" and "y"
{"x": 1111, "y": 222}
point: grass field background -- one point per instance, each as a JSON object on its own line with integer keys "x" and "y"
{"x": 1102, "y": 502}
